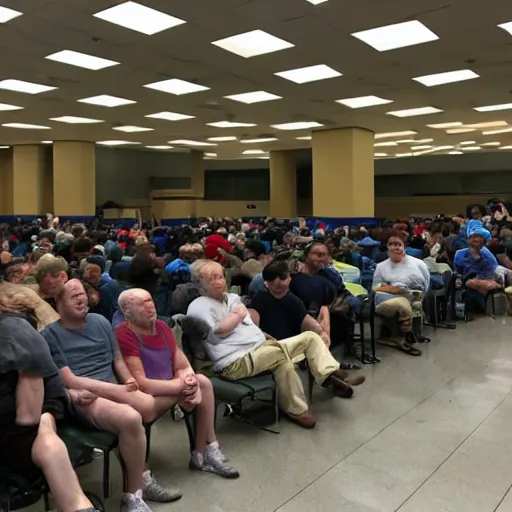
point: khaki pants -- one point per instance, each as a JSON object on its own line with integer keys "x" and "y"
{"x": 280, "y": 356}
{"x": 398, "y": 308}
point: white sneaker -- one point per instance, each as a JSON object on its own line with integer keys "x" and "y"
{"x": 213, "y": 461}
{"x": 134, "y": 502}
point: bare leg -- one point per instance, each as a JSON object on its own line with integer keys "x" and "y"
{"x": 50, "y": 454}
{"x": 126, "y": 423}
{"x": 205, "y": 411}
{"x": 29, "y": 399}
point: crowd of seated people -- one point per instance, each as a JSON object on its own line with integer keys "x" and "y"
{"x": 270, "y": 295}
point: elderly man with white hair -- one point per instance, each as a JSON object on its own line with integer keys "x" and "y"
{"x": 239, "y": 349}
{"x": 161, "y": 369}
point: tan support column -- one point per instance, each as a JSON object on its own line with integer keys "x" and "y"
{"x": 6, "y": 182}
{"x": 283, "y": 184}
{"x": 343, "y": 174}
{"x": 28, "y": 176}
{"x": 74, "y": 178}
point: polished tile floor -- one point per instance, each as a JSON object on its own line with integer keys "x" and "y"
{"x": 427, "y": 434}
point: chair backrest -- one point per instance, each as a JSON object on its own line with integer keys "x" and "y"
{"x": 195, "y": 333}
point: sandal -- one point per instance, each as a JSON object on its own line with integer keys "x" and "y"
{"x": 402, "y": 345}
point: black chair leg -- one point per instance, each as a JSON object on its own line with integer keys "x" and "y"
{"x": 106, "y": 475}
{"x": 46, "y": 498}
{"x": 190, "y": 423}
{"x": 147, "y": 428}
{"x": 361, "y": 337}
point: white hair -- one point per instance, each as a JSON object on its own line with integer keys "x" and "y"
{"x": 198, "y": 267}
{"x": 126, "y": 298}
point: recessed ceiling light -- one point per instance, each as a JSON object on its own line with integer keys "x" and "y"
{"x": 139, "y": 18}
{"x": 253, "y": 97}
{"x": 385, "y": 144}
{"x": 395, "y": 36}
{"x": 419, "y": 148}
{"x": 460, "y": 130}
{"x": 446, "y": 78}
{"x": 494, "y": 132}
{"x": 420, "y": 111}
{"x": 309, "y": 74}
{"x": 363, "y": 101}
{"x": 105, "y": 100}
{"x": 395, "y": 134}
{"x": 263, "y": 157}
{"x": 443, "y": 126}
{"x": 185, "y": 142}
{"x": 26, "y": 87}
{"x": 76, "y": 120}
{"x": 169, "y": 116}
{"x": 467, "y": 142}
{"x": 26, "y": 126}
{"x": 222, "y": 139}
{"x": 506, "y": 26}
{"x": 414, "y": 141}
{"x": 176, "y": 86}
{"x": 81, "y": 60}
{"x": 399, "y": 155}
{"x": 299, "y": 125}
{"x": 230, "y": 124}
{"x": 253, "y": 152}
{"x": 47, "y": 142}
{"x": 506, "y": 147}
{"x": 210, "y": 155}
{"x": 380, "y": 154}
{"x": 316, "y": 2}
{"x": 6, "y": 106}
{"x": 455, "y": 153}
{"x": 159, "y": 147}
{"x": 261, "y": 139}
{"x": 7, "y": 14}
{"x": 304, "y": 137}
{"x": 5, "y": 147}
{"x": 492, "y": 108}
{"x": 491, "y": 124}
{"x": 491, "y": 144}
{"x": 250, "y": 44}
{"x": 115, "y": 142}
{"x": 132, "y": 129}
{"x": 471, "y": 148}
{"x": 443, "y": 148}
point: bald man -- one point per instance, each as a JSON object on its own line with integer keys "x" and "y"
{"x": 85, "y": 350}
{"x": 162, "y": 370}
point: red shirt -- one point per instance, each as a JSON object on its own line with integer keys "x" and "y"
{"x": 129, "y": 344}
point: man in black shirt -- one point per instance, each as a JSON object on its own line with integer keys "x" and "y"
{"x": 32, "y": 398}
{"x": 281, "y": 314}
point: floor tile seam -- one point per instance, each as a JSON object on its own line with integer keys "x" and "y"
{"x": 365, "y": 442}
{"x": 503, "y": 499}
{"x": 454, "y": 452}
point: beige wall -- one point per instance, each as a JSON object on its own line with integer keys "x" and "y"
{"x": 6, "y": 182}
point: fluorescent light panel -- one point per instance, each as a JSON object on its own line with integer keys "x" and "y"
{"x": 185, "y": 142}
{"x": 506, "y": 26}
{"x": 443, "y": 126}
{"x": 138, "y": 17}
{"x": 395, "y": 134}
{"x": 176, "y": 86}
{"x": 446, "y": 78}
{"x": 471, "y": 148}
{"x": 455, "y": 153}
{"x": 253, "y": 97}
{"x": 491, "y": 144}
{"x": 26, "y": 87}
{"x": 309, "y": 74}
{"x": 410, "y": 112}
{"x": 363, "y": 101}
{"x": 385, "y": 144}
{"x": 222, "y": 139}
{"x": 316, "y": 2}
{"x": 261, "y": 139}
{"x": 169, "y": 116}
{"x": 230, "y": 124}
{"x": 419, "y": 148}
{"x": 299, "y": 125}
{"x": 491, "y": 124}
{"x": 467, "y": 143}
{"x": 399, "y": 35}
{"x": 380, "y": 154}
{"x": 210, "y": 155}
{"x": 76, "y": 120}
{"x": 493, "y": 108}
{"x": 494, "y": 132}
{"x": 81, "y": 60}
{"x": 159, "y": 147}
{"x": 132, "y": 129}
{"x": 304, "y": 137}
{"x": 105, "y": 100}
{"x": 25, "y": 126}
{"x": 454, "y": 131}
{"x": 7, "y": 14}
{"x": 253, "y": 152}
{"x": 506, "y": 147}
{"x": 253, "y": 43}
{"x": 115, "y": 142}
{"x": 6, "y": 107}
{"x": 47, "y": 142}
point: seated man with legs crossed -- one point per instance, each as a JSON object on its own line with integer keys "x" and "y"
{"x": 32, "y": 399}
{"x": 86, "y": 352}
{"x": 238, "y": 347}
{"x": 161, "y": 369}
{"x": 281, "y": 314}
